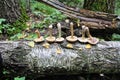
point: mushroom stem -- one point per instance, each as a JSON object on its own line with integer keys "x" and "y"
{"x": 78, "y": 22}
{"x": 72, "y": 32}
{"x": 88, "y": 33}
{"x": 50, "y": 31}
{"x": 59, "y": 30}
{"x": 59, "y": 33}
{"x": 83, "y": 31}
{"x": 38, "y": 33}
{"x": 83, "y": 34}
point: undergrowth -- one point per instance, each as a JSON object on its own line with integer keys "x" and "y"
{"x": 50, "y": 15}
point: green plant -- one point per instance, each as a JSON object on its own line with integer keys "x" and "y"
{"x": 5, "y": 27}
{"x": 116, "y": 37}
{"x": 19, "y": 78}
{"x": 1, "y": 25}
{"x": 51, "y": 15}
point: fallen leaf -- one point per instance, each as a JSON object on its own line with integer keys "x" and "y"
{"x": 46, "y": 45}
{"x": 88, "y": 46}
{"x": 69, "y": 45}
{"x": 58, "y": 51}
{"x": 31, "y": 44}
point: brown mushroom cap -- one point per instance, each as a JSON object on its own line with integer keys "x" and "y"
{"x": 93, "y": 40}
{"x": 71, "y": 39}
{"x": 41, "y": 39}
{"x": 83, "y": 40}
{"x": 50, "y": 39}
{"x": 61, "y": 39}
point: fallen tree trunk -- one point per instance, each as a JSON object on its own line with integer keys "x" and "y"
{"x": 20, "y": 59}
{"x": 106, "y": 20}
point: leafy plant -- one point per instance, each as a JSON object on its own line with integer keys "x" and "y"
{"x": 51, "y": 15}
{"x": 1, "y": 25}
{"x": 19, "y": 78}
{"x": 116, "y": 37}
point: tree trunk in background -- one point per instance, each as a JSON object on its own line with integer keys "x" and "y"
{"x": 100, "y": 5}
{"x": 10, "y": 10}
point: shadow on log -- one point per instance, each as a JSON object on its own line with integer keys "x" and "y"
{"x": 19, "y": 59}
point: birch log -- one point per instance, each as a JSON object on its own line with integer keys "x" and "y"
{"x": 20, "y": 59}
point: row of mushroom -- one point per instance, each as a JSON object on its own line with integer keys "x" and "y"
{"x": 71, "y": 38}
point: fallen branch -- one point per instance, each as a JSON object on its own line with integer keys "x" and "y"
{"x": 107, "y": 20}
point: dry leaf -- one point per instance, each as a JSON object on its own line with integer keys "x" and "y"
{"x": 88, "y": 46}
{"x": 58, "y": 51}
{"x": 69, "y": 45}
{"x": 46, "y": 45}
{"x": 31, "y": 44}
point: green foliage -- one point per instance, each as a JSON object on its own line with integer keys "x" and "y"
{"x": 74, "y": 3}
{"x": 117, "y": 7}
{"x": 5, "y": 72}
{"x": 51, "y": 15}
{"x": 18, "y": 36}
{"x": 1, "y": 25}
{"x": 19, "y": 78}
{"x": 5, "y": 27}
{"x": 116, "y": 37}
{"x": 37, "y": 6}
{"x": 1, "y": 20}
{"x": 20, "y": 25}
{"x": 50, "y": 19}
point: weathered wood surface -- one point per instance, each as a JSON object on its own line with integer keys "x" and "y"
{"x": 98, "y": 20}
{"x": 20, "y": 59}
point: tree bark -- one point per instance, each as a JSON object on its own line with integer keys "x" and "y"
{"x": 100, "y": 5}
{"x": 10, "y": 10}
{"x": 20, "y": 59}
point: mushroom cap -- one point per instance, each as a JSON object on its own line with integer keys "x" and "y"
{"x": 70, "y": 39}
{"x": 51, "y": 26}
{"x": 83, "y": 26}
{"x": 67, "y": 20}
{"x": 36, "y": 30}
{"x": 93, "y": 40}
{"x": 59, "y": 26}
{"x": 50, "y": 39}
{"x": 71, "y": 24}
{"x": 83, "y": 40}
{"x": 41, "y": 39}
{"x": 61, "y": 39}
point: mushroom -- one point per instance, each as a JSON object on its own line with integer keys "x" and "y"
{"x": 28, "y": 25}
{"x": 71, "y": 38}
{"x": 91, "y": 40}
{"x": 40, "y": 38}
{"x": 67, "y": 20}
{"x": 50, "y": 38}
{"x": 83, "y": 39}
{"x": 59, "y": 39}
{"x": 78, "y": 22}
